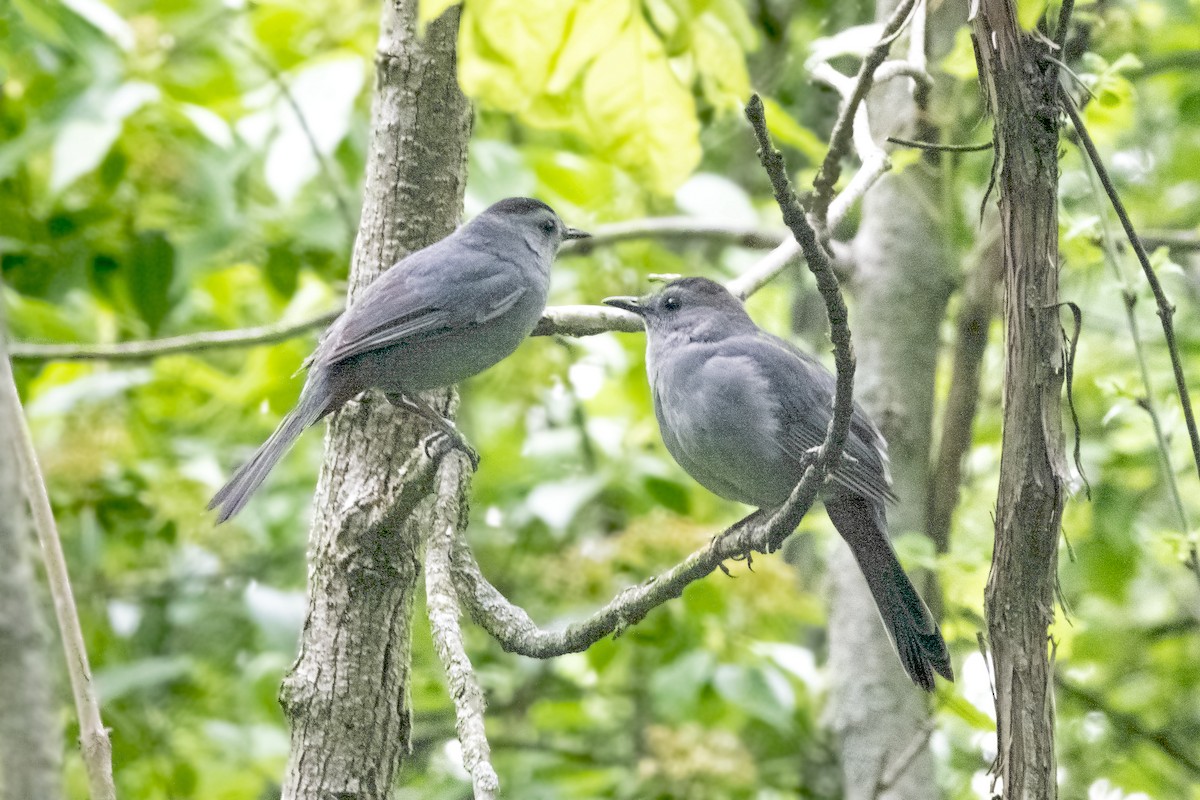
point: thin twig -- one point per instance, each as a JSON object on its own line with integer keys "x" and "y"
{"x": 944, "y": 148}
{"x": 95, "y": 746}
{"x": 687, "y": 229}
{"x": 1064, "y": 22}
{"x": 339, "y": 191}
{"x": 1165, "y": 309}
{"x": 1130, "y": 725}
{"x": 843, "y": 128}
{"x": 827, "y": 283}
{"x": 172, "y": 345}
{"x": 443, "y": 608}
{"x": 896, "y": 769}
{"x": 1148, "y": 403}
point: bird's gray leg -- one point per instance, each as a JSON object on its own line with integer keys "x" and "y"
{"x": 444, "y": 426}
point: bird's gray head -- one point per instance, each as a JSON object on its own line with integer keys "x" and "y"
{"x": 532, "y": 220}
{"x": 695, "y": 309}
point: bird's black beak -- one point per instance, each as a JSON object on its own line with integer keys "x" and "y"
{"x": 630, "y": 304}
{"x": 575, "y": 233}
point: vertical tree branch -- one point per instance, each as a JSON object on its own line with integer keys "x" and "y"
{"x": 444, "y": 609}
{"x": 347, "y": 694}
{"x": 975, "y": 314}
{"x": 94, "y": 743}
{"x": 902, "y": 282}
{"x": 30, "y": 735}
{"x": 1022, "y": 92}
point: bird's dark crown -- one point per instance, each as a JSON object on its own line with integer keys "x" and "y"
{"x": 518, "y": 205}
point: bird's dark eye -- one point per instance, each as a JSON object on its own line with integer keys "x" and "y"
{"x": 671, "y": 303}
{"x": 548, "y": 226}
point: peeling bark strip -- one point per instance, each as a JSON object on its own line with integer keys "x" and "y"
{"x": 346, "y": 696}
{"x": 1020, "y": 593}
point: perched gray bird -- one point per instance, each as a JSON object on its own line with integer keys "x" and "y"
{"x": 437, "y": 317}
{"x": 739, "y": 409}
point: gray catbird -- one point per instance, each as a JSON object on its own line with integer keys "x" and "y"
{"x": 739, "y": 409}
{"x": 439, "y": 316}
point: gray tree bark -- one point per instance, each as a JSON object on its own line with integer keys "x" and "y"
{"x": 347, "y": 695}
{"x": 901, "y": 288}
{"x": 30, "y": 734}
{"x": 1022, "y": 93}
{"x": 902, "y": 282}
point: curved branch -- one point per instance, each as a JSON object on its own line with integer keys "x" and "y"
{"x": 758, "y": 533}
{"x": 843, "y": 128}
{"x": 442, "y": 606}
{"x": 94, "y": 743}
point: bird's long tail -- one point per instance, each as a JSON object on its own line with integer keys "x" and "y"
{"x": 910, "y": 626}
{"x": 313, "y": 404}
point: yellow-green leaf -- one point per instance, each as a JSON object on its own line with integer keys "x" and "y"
{"x": 721, "y": 63}
{"x": 787, "y": 131}
{"x": 638, "y": 111}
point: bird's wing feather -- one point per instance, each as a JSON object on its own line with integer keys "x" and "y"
{"x": 806, "y": 391}
{"x": 401, "y": 308}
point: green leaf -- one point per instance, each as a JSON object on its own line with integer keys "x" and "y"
{"x": 721, "y": 63}
{"x": 669, "y": 494}
{"x": 761, "y": 692}
{"x": 151, "y": 270}
{"x": 639, "y": 113}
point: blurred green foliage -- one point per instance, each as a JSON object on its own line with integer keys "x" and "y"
{"x": 155, "y": 179}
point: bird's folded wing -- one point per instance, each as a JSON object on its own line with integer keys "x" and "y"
{"x": 807, "y": 390}
{"x": 402, "y": 309}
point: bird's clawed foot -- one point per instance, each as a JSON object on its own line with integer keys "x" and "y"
{"x": 444, "y": 429}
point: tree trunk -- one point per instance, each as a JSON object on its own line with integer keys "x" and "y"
{"x": 30, "y": 734}
{"x": 1020, "y": 591}
{"x": 901, "y": 288}
{"x": 902, "y": 282}
{"x": 347, "y": 695}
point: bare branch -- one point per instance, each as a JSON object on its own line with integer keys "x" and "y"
{"x": 843, "y": 128}
{"x": 443, "y": 607}
{"x": 1165, "y": 309}
{"x": 970, "y": 342}
{"x": 1064, "y": 23}
{"x": 512, "y": 627}
{"x": 760, "y": 533}
{"x": 94, "y": 743}
{"x": 676, "y": 229}
{"x": 944, "y": 148}
{"x": 186, "y": 343}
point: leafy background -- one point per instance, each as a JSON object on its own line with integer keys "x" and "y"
{"x": 155, "y": 179}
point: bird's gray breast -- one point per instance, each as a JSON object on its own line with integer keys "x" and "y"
{"x": 719, "y": 420}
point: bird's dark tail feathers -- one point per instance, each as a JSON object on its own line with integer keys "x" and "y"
{"x": 910, "y": 626}
{"x": 313, "y": 404}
